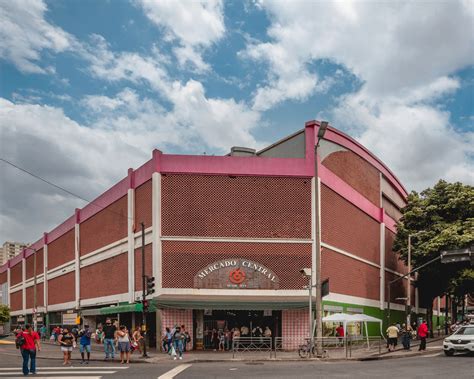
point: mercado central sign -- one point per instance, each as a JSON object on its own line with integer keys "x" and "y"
{"x": 236, "y": 273}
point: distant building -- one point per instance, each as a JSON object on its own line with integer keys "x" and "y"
{"x": 9, "y": 250}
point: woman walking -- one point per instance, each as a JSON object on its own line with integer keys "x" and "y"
{"x": 124, "y": 344}
{"x": 67, "y": 341}
{"x": 137, "y": 339}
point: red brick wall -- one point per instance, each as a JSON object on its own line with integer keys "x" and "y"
{"x": 391, "y": 259}
{"x": 16, "y": 275}
{"x": 356, "y": 172}
{"x": 108, "y": 277}
{"x": 61, "y": 289}
{"x": 224, "y": 206}
{"x": 398, "y": 289}
{"x": 105, "y": 227}
{"x": 39, "y": 296}
{"x": 30, "y": 264}
{"x": 3, "y": 277}
{"x": 138, "y": 265}
{"x": 16, "y": 301}
{"x": 346, "y": 227}
{"x": 143, "y": 205}
{"x": 61, "y": 250}
{"x": 348, "y": 276}
{"x": 183, "y": 260}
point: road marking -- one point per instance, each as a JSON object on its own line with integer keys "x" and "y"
{"x": 233, "y": 369}
{"x": 431, "y": 355}
{"x": 172, "y": 373}
{"x": 40, "y": 368}
{"x": 56, "y": 372}
{"x": 64, "y": 377}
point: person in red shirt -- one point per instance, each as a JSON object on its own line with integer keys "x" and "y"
{"x": 423, "y": 333}
{"x": 29, "y": 348}
{"x": 340, "y": 333}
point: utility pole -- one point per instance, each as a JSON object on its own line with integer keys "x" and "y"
{"x": 409, "y": 283}
{"x": 144, "y": 301}
{"x": 35, "y": 320}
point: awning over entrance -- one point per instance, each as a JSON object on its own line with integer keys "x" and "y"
{"x": 231, "y": 303}
{"x": 121, "y": 308}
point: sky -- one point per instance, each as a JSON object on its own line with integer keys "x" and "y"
{"x": 88, "y": 88}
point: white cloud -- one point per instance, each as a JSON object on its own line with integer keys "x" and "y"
{"x": 24, "y": 34}
{"x": 403, "y": 53}
{"x": 390, "y": 46}
{"x": 196, "y": 25}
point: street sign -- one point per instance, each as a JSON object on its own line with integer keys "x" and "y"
{"x": 457, "y": 255}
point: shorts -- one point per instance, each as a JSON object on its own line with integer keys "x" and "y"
{"x": 84, "y": 347}
{"x": 66, "y": 348}
{"x": 124, "y": 347}
{"x": 392, "y": 341}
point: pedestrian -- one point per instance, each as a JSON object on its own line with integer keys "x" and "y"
{"x": 187, "y": 338}
{"x": 29, "y": 344}
{"x": 124, "y": 344}
{"x": 56, "y": 333}
{"x": 406, "y": 336}
{"x": 109, "y": 339}
{"x": 43, "y": 332}
{"x": 137, "y": 339}
{"x": 85, "y": 335}
{"x": 167, "y": 341}
{"x": 67, "y": 341}
{"x": 392, "y": 334}
{"x": 221, "y": 340}
{"x": 422, "y": 334}
{"x": 99, "y": 334}
{"x": 215, "y": 339}
{"x": 340, "y": 334}
{"x": 227, "y": 338}
{"x": 178, "y": 340}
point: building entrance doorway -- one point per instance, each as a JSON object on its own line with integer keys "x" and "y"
{"x": 250, "y": 323}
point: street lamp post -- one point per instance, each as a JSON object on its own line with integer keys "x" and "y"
{"x": 306, "y": 272}
{"x": 319, "y": 305}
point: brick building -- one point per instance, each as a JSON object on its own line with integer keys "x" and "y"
{"x": 225, "y": 238}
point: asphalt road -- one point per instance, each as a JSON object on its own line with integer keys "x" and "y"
{"x": 434, "y": 364}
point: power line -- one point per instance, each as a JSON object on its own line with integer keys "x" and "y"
{"x": 61, "y": 188}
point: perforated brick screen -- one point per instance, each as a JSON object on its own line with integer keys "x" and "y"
{"x": 183, "y": 260}
{"x": 223, "y": 206}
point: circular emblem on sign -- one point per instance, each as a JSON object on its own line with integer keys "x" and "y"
{"x": 237, "y": 276}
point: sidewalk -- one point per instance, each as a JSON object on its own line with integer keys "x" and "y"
{"x": 52, "y": 351}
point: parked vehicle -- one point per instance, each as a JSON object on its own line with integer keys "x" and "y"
{"x": 462, "y": 340}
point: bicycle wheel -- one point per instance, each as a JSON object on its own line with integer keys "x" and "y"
{"x": 303, "y": 352}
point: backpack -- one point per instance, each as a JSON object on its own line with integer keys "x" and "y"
{"x": 20, "y": 340}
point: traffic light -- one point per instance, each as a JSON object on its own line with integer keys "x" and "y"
{"x": 150, "y": 284}
{"x": 145, "y": 305}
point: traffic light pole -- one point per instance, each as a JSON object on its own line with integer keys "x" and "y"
{"x": 144, "y": 328}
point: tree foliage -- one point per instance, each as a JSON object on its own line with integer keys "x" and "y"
{"x": 4, "y": 313}
{"x": 439, "y": 218}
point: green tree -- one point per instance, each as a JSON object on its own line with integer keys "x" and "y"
{"x": 439, "y": 218}
{"x": 4, "y": 313}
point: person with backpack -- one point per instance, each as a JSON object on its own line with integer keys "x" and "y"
{"x": 28, "y": 341}
{"x": 85, "y": 343}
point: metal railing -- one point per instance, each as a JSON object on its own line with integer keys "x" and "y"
{"x": 252, "y": 344}
{"x": 334, "y": 347}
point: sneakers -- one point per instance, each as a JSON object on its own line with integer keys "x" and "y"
{"x": 180, "y": 357}
{"x": 174, "y": 358}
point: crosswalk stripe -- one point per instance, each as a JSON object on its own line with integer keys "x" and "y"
{"x": 85, "y": 368}
{"x": 172, "y": 373}
{"x": 67, "y": 377}
{"x": 41, "y": 372}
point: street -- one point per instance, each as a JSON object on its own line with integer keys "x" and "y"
{"x": 432, "y": 364}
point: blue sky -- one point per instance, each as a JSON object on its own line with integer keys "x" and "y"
{"x": 89, "y": 88}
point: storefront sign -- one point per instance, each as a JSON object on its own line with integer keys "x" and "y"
{"x": 69, "y": 318}
{"x": 236, "y": 273}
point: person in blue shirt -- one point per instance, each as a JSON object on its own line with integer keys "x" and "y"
{"x": 85, "y": 335}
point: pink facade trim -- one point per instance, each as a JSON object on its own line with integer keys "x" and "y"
{"x": 4, "y": 267}
{"x": 343, "y": 139}
{"x": 389, "y": 222}
{"x": 108, "y": 197}
{"x": 143, "y": 173}
{"x": 339, "y": 186}
{"x": 61, "y": 229}
{"x": 15, "y": 260}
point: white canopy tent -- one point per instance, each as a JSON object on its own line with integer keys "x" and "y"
{"x": 345, "y": 319}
